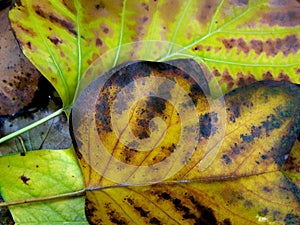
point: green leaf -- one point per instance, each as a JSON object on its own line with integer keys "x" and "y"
{"x": 239, "y": 41}
{"x": 38, "y": 176}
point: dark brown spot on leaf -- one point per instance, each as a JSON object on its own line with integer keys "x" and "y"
{"x": 99, "y": 42}
{"x": 55, "y": 40}
{"x": 257, "y": 46}
{"x": 25, "y": 179}
{"x": 105, "y": 30}
{"x": 55, "y": 19}
{"x": 243, "y": 80}
{"x": 283, "y": 77}
{"x": 100, "y": 5}
{"x": 268, "y": 76}
{"x": 227, "y": 79}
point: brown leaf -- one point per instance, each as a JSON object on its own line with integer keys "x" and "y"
{"x": 18, "y": 77}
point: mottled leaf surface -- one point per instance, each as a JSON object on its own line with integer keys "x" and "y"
{"x": 240, "y": 41}
{"x": 263, "y": 199}
{"x": 39, "y": 174}
{"x": 291, "y": 167}
{"x": 226, "y": 179}
{"x": 18, "y": 77}
{"x": 253, "y": 135}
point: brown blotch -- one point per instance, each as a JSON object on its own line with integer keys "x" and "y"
{"x": 91, "y": 210}
{"x": 227, "y": 78}
{"x": 55, "y": 40}
{"x": 229, "y": 43}
{"x": 99, "y": 42}
{"x": 268, "y": 76}
{"x": 242, "y": 46}
{"x": 54, "y": 19}
{"x": 257, "y": 46}
{"x": 216, "y": 72}
{"x": 243, "y": 80}
{"x": 207, "y": 9}
{"x": 297, "y": 70}
{"x": 170, "y": 9}
{"x": 283, "y": 77}
{"x": 283, "y": 18}
{"x": 287, "y": 45}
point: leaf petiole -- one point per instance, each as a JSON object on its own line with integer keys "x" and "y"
{"x": 65, "y": 195}
{"x": 31, "y": 126}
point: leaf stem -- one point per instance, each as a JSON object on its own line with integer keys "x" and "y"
{"x": 121, "y": 34}
{"x": 31, "y": 126}
{"x": 31, "y": 200}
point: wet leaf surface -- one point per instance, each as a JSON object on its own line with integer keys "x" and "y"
{"x": 18, "y": 77}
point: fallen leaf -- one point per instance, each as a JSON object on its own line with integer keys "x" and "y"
{"x": 267, "y": 198}
{"x": 117, "y": 126}
{"x": 240, "y": 41}
{"x": 291, "y": 167}
{"x": 18, "y": 77}
{"x": 32, "y": 176}
{"x": 53, "y": 134}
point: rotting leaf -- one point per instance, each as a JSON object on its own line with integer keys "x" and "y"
{"x": 18, "y": 77}
{"x": 54, "y": 134}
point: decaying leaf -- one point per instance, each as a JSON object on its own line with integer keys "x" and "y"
{"x": 130, "y": 122}
{"x": 240, "y": 41}
{"x": 18, "y": 77}
{"x": 228, "y": 169}
{"x": 53, "y": 134}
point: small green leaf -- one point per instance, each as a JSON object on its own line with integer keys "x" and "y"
{"x": 38, "y": 175}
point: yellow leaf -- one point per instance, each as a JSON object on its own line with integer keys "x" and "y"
{"x": 261, "y": 199}
{"x": 150, "y": 122}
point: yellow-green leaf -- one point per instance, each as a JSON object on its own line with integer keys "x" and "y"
{"x": 263, "y": 199}
{"x": 240, "y": 41}
{"x": 42, "y": 174}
